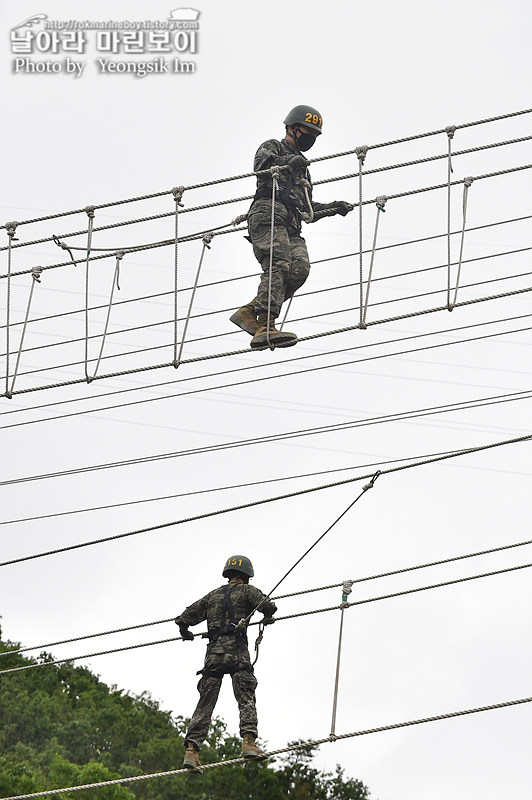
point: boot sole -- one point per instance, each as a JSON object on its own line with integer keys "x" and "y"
{"x": 259, "y": 757}
{"x": 192, "y": 767}
{"x": 236, "y": 320}
{"x": 274, "y": 343}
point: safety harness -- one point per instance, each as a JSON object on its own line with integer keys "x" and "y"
{"x": 228, "y": 623}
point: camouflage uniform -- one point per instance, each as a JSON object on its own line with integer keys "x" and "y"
{"x": 291, "y": 266}
{"x": 227, "y": 653}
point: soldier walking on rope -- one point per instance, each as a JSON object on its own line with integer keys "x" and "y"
{"x": 227, "y": 654}
{"x": 293, "y": 204}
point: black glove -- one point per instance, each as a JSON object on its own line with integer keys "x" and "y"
{"x": 267, "y": 620}
{"x": 186, "y": 635}
{"x": 298, "y": 162}
{"x": 343, "y": 207}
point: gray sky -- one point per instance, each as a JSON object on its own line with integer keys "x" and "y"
{"x": 377, "y": 73}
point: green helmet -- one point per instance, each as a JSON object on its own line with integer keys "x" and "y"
{"x": 305, "y": 115}
{"x": 238, "y": 564}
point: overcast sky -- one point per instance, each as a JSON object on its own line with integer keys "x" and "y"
{"x": 376, "y": 72}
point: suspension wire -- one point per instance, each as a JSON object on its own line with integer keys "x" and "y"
{"x": 350, "y": 582}
{"x": 264, "y": 501}
{"x": 160, "y": 323}
{"x": 271, "y": 753}
{"x": 467, "y": 184}
{"x": 207, "y": 239}
{"x": 297, "y": 615}
{"x": 306, "y": 370}
{"x": 450, "y": 131}
{"x": 36, "y": 273}
{"x": 283, "y": 436}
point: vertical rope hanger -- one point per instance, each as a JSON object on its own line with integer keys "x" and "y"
{"x": 207, "y": 239}
{"x": 10, "y": 230}
{"x": 90, "y": 224}
{"x": 36, "y": 278}
{"x": 116, "y": 278}
{"x": 380, "y": 202}
{"x": 346, "y": 591}
{"x": 177, "y": 191}
{"x": 450, "y": 131}
{"x": 361, "y": 153}
{"x": 275, "y": 185}
{"x": 467, "y": 184}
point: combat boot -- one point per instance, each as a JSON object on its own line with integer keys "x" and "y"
{"x": 191, "y": 760}
{"x": 246, "y": 318}
{"x": 250, "y": 749}
{"x": 276, "y": 338}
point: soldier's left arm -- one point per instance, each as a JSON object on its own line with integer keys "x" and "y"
{"x": 322, "y": 210}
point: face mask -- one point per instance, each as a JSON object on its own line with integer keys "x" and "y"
{"x": 305, "y": 140}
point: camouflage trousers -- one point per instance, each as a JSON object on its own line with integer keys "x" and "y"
{"x": 226, "y": 656}
{"x": 290, "y": 263}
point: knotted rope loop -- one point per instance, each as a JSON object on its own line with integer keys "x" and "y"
{"x": 64, "y": 246}
{"x": 346, "y": 591}
{"x": 11, "y": 227}
{"x": 361, "y": 153}
{"x": 380, "y": 202}
{"x": 178, "y": 192}
{"x": 89, "y": 210}
{"x": 36, "y": 273}
{"x": 258, "y": 642}
{"x": 239, "y": 219}
{"x": 371, "y": 484}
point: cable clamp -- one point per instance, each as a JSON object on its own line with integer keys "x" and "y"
{"x": 380, "y": 202}
{"x": 207, "y": 239}
{"x": 371, "y": 484}
{"x": 119, "y": 256}
{"x": 362, "y": 152}
{"x": 64, "y": 246}
{"x": 89, "y": 210}
{"x": 450, "y": 131}
{"x": 36, "y": 273}
{"x": 11, "y": 228}
{"x": 178, "y": 191}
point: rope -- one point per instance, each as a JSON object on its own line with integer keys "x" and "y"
{"x": 287, "y": 311}
{"x": 380, "y": 203}
{"x": 116, "y": 279}
{"x": 450, "y": 131}
{"x": 243, "y": 622}
{"x": 361, "y": 153}
{"x": 308, "y": 317}
{"x": 297, "y": 615}
{"x": 207, "y": 239}
{"x": 11, "y": 228}
{"x": 90, "y": 214}
{"x": 350, "y": 583}
{"x": 178, "y": 194}
{"x": 192, "y": 237}
{"x": 36, "y": 273}
{"x": 467, "y": 184}
{"x": 271, "y": 753}
{"x": 275, "y": 175}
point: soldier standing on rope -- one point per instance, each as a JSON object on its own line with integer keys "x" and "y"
{"x": 227, "y": 654}
{"x": 293, "y": 204}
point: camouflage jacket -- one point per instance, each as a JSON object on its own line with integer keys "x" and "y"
{"x": 291, "y": 200}
{"x": 244, "y": 599}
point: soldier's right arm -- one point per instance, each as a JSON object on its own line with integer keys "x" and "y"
{"x": 269, "y": 155}
{"x": 194, "y": 614}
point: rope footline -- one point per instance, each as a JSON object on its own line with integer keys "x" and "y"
{"x": 272, "y": 753}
